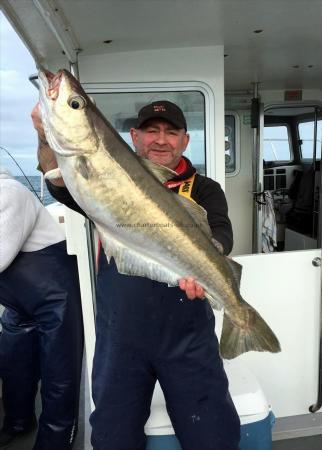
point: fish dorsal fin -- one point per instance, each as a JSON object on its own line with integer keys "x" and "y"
{"x": 236, "y": 270}
{"x": 197, "y": 212}
{"x": 160, "y": 172}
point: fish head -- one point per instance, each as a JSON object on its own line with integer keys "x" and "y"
{"x": 67, "y": 114}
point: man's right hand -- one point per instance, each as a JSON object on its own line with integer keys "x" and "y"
{"x": 46, "y": 156}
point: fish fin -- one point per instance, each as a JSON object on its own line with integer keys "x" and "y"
{"x": 214, "y": 303}
{"x": 256, "y": 335}
{"x": 53, "y": 174}
{"x": 218, "y": 245}
{"x": 199, "y": 215}
{"x": 197, "y": 212}
{"x": 84, "y": 167}
{"x": 236, "y": 270}
{"x": 160, "y": 172}
{"x": 130, "y": 262}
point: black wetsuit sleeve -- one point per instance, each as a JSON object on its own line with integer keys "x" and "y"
{"x": 211, "y": 197}
{"x": 62, "y": 195}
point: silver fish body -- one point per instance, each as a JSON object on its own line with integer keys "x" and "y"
{"x": 149, "y": 230}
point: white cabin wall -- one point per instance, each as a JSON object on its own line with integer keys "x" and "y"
{"x": 56, "y": 64}
{"x": 205, "y": 64}
{"x": 238, "y": 191}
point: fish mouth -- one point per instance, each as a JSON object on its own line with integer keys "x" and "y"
{"x": 49, "y": 92}
{"x": 51, "y": 83}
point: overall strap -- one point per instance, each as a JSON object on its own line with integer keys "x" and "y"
{"x": 185, "y": 188}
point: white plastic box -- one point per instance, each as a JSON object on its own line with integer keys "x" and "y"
{"x": 250, "y": 402}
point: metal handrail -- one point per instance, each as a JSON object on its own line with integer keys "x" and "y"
{"x": 314, "y": 408}
{"x": 33, "y": 80}
{"x": 318, "y": 404}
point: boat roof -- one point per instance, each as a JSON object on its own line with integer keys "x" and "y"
{"x": 276, "y": 43}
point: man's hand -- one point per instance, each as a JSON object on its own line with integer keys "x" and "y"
{"x": 193, "y": 289}
{"x": 37, "y": 122}
{"x": 46, "y": 156}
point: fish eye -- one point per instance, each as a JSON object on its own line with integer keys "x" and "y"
{"x": 76, "y": 102}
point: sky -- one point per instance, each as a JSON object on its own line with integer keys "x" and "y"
{"x": 17, "y": 98}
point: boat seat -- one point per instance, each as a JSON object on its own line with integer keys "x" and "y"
{"x": 300, "y": 218}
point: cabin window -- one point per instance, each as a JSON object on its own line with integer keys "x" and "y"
{"x": 276, "y": 143}
{"x": 306, "y": 135}
{"x": 230, "y": 144}
{"x": 121, "y": 108}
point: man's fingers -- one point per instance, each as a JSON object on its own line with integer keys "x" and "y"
{"x": 182, "y": 284}
{"x": 36, "y": 117}
{"x": 190, "y": 288}
{"x": 35, "y": 113}
{"x": 193, "y": 289}
{"x": 200, "y": 293}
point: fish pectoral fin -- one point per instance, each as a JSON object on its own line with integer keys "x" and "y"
{"x": 84, "y": 167}
{"x": 130, "y": 262}
{"x": 160, "y": 172}
{"x": 255, "y": 335}
{"x": 53, "y": 174}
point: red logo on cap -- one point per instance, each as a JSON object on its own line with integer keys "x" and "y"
{"x": 159, "y": 108}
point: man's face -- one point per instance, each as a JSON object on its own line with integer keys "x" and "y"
{"x": 160, "y": 142}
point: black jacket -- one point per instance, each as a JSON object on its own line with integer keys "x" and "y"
{"x": 206, "y": 192}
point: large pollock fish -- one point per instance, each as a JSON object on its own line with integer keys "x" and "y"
{"x": 149, "y": 230}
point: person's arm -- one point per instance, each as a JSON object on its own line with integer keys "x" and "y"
{"x": 17, "y": 220}
{"x": 46, "y": 156}
{"x": 211, "y": 197}
{"x": 62, "y": 195}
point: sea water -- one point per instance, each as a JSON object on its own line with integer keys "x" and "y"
{"x": 35, "y": 182}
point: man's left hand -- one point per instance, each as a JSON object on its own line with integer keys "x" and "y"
{"x": 193, "y": 289}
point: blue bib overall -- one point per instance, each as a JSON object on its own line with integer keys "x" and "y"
{"x": 147, "y": 331}
{"x": 42, "y": 338}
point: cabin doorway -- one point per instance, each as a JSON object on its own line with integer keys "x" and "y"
{"x": 291, "y": 155}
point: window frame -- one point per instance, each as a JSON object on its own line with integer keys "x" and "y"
{"x": 305, "y": 160}
{"x": 175, "y": 86}
{"x": 295, "y": 104}
{"x": 280, "y": 162}
{"x": 237, "y": 143}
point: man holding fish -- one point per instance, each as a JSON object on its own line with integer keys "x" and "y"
{"x": 157, "y": 319}
{"x": 147, "y": 330}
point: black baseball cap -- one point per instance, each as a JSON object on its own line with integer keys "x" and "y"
{"x": 162, "y": 109}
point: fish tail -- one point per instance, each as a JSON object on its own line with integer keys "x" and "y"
{"x": 254, "y": 335}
